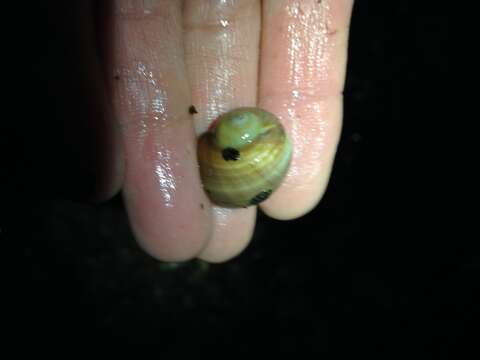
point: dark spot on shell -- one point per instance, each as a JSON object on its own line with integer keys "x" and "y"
{"x": 192, "y": 110}
{"x": 230, "y": 154}
{"x": 202, "y": 206}
{"x": 257, "y": 199}
{"x": 117, "y": 77}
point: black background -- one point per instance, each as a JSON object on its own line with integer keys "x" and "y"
{"x": 371, "y": 269}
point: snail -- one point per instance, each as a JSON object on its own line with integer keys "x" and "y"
{"x": 243, "y": 157}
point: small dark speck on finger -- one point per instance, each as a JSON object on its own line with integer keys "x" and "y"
{"x": 192, "y": 110}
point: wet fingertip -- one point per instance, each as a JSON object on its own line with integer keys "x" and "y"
{"x": 214, "y": 256}
{"x": 290, "y": 204}
{"x": 169, "y": 236}
{"x": 290, "y": 213}
{"x": 165, "y": 252}
{"x": 233, "y": 230}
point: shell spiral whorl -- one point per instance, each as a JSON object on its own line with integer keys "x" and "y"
{"x": 243, "y": 157}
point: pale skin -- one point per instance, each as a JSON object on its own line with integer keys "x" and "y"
{"x": 286, "y": 56}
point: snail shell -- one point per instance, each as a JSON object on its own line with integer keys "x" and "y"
{"x": 243, "y": 157}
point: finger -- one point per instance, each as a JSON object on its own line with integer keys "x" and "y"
{"x": 222, "y": 45}
{"x": 232, "y": 232}
{"x": 302, "y": 72}
{"x": 92, "y": 131}
{"x": 167, "y": 207}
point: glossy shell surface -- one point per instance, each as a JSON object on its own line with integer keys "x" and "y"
{"x": 243, "y": 157}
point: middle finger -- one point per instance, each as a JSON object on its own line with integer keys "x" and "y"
{"x": 222, "y": 47}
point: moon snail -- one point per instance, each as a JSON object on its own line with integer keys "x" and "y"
{"x": 243, "y": 157}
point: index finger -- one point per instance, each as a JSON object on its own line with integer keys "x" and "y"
{"x": 302, "y": 71}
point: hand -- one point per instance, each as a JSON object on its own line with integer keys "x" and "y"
{"x": 159, "y": 57}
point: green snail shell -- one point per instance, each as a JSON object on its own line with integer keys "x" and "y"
{"x": 243, "y": 157}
